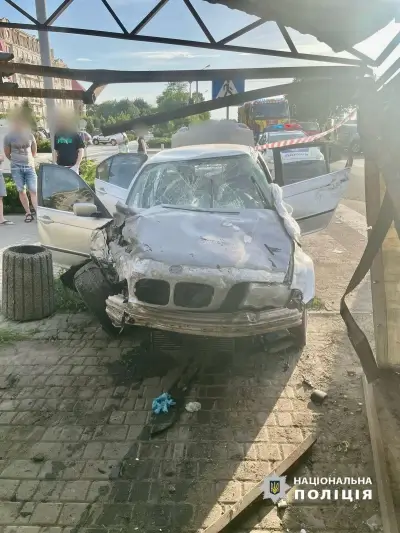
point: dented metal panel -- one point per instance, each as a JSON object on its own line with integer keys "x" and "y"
{"x": 238, "y": 324}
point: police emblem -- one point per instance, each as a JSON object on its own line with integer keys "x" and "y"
{"x": 275, "y": 488}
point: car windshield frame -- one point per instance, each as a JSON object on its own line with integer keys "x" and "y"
{"x": 207, "y": 187}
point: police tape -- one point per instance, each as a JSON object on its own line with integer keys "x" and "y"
{"x": 303, "y": 140}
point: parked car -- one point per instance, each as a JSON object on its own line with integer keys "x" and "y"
{"x": 310, "y": 128}
{"x": 300, "y": 162}
{"x": 118, "y": 138}
{"x": 201, "y": 242}
{"x": 86, "y": 137}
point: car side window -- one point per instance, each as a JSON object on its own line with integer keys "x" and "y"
{"x": 124, "y": 167}
{"x": 103, "y": 170}
{"x": 61, "y": 188}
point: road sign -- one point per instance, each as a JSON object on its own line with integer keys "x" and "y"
{"x": 221, "y": 88}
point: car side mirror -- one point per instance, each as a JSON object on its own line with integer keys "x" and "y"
{"x": 84, "y": 209}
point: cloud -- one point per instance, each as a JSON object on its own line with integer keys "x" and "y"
{"x": 86, "y": 59}
{"x": 167, "y": 55}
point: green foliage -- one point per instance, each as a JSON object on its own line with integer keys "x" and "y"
{"x": 156, "y": 142}
{"x": 175, "y": 95}
{"x": 44, "y": 146}
{"x": 11, "y": 201}
{"x": 88, "y": 171}
{"x": 8, "y": 336}
{"x": 67, "y": 301}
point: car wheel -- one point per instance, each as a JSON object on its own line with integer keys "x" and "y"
{"x": 94, "y": 289}
{"x": 300, "y": 332}
{"x": 113, "y": 142}
{"x": 96, "y": 141}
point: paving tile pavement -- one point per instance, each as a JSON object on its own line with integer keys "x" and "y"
{"x": 75, "y": 421}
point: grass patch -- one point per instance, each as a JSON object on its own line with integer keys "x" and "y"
{"x": 67, "y": 301}
{"x": 316, "y": 304}
{"x": 8, "y": 336}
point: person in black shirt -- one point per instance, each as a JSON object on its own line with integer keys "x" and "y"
{"x": 142, "y": 147}
{"x": 68, "y": 145}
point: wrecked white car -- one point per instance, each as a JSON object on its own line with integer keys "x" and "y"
{"x": 201, "y": 243}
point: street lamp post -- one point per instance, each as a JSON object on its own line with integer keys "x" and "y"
{"x": 197, "y": 83}
{"x": 45, "y": 55}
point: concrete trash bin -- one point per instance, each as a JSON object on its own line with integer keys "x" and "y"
{"x": 27, "y": 283}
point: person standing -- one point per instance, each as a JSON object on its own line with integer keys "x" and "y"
{"x": 20, "y": 148}
{"x": 142, "y": 146}
{"x": 68, "y": 146}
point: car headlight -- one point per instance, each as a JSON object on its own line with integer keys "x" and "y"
{"x": 260, "y": 295}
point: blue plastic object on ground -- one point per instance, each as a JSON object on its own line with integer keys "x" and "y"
{"x": 162, "y": 403}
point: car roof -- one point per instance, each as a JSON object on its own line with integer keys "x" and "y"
{"x": 201, "y": 151}
{"x": 292, "y": 132}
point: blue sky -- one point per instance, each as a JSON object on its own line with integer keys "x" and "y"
{"x": 173, "y": 20}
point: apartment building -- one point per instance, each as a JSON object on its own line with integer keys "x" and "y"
{"x": 25, "y": 48}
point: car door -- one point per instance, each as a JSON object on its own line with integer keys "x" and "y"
{"x": 315, "y": 200}
{"x": 114, "y": 176}
{"x": 67, "y": 235}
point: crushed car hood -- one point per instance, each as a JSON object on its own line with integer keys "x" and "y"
{"x": 248, "y": 239}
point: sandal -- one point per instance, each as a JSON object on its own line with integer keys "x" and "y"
{"x": 7, "y": 223}
{"x": 28, "y": 217}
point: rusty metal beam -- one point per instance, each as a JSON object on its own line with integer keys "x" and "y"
{"x": 23, "y": 12}
{"x": 104, "y": 76}
{"x": 57, "y": 12}
{"x": 184, "y": 42}
{"x": 388, "y": 50}
{"x": 219, "y": 103}
{"x": 288, "y": 39}
{"x": 199, "y": 21}
{"x": 115, "y": 16}
{"x": 148, "y": 17}
{"x": 242, "y": 31}
{"x": 58, "y": 94}
{"x": 366, "y": 59}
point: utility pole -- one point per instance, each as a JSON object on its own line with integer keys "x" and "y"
{"x": 45, "y": 55}
{"x": 197, "y": 85}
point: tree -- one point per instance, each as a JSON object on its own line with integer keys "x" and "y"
{"x": 176, "y": 95}
{"x": 144, "y": 107}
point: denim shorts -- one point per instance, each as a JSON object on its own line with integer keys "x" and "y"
{"x": 24, "y": 176}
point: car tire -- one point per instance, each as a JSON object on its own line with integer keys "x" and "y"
{"x": 94, "y": 289}
{"x": 299, "y": 333}
{"x": 113, "y": 142}
{"x": 96, "y": 141}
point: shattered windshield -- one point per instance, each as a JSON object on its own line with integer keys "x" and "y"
{"x": 220, "y": 182}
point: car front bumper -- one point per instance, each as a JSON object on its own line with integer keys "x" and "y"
{"x": 238, "y": 324}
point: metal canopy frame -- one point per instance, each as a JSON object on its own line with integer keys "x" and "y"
{"x": 209, "y": 43}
